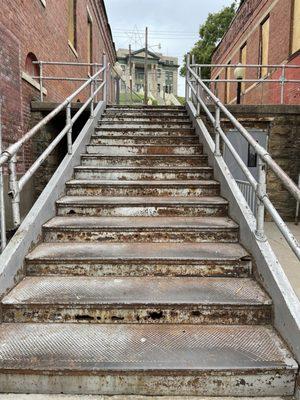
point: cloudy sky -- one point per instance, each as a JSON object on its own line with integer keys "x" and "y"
{"x": 172, "y": 23}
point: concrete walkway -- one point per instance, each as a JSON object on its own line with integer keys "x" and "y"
{"x": 286, "y": 257}
{"x": 74, "y": 397}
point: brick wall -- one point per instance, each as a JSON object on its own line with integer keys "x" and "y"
{"x": 28, "y": 26}
{"x": 246, "y": 28}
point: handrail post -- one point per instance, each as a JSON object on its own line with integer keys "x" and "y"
{"x": 217, "y": 134}
{"x": 261, "y": 193}
{"x": 92, "y": 88}
{"x": 2, "y": 205}
{"x": 282, "y": 83}
{"x": 69, "y": 133}
{"x": 105, "y": 78}
{"x": 41, "y": 80}
{"x": 14, "y": 191}
{"x": 187, "y": 75}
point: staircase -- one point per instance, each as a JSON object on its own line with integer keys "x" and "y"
{"x": 140, "y": 285}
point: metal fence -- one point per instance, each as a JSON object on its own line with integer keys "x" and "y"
{"x": 96, "y": 83}
{"x": 248, "y": 193}
{"x": 194, "y": 86}
{"x": 263, "y": 79}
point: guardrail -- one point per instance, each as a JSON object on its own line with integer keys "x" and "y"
{"x": 263, "y": 79}
{"x": 9, "y": 155}
{"x": 194, "y": 86}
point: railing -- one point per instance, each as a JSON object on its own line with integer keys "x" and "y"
{"x": 96, "y": 83}
{"x": 248, "y": 193}
{"x": 194, "y": 85}
{"x": 263, "y": 79}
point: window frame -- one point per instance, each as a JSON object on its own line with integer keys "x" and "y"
{"x": 261, "y": 74}
{"x": 72, "y": 24}
{"x": 292, "y": 51}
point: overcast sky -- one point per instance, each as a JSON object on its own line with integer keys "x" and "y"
{"x": 172, "y": 23}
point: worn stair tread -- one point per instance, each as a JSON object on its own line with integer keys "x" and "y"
{"x": 140, "y": 183}
{"x": 141, "y": 291}
{"x": 138, "y": 251}
{"x": 91, "y": 349}
{"x": 142, "y": 200}
{"x": 184, "y": 223}
{"x": 123, "y": 397}
{"x": 142, "y": 169}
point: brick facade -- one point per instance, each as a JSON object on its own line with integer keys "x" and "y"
{"x": 246, "y": 28}
{"x": 41, "y": 27}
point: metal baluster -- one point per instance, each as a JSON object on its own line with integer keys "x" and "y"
{"x": 217, "y": 134}
{"x": 105, "y": 78}
{"x": 69, "y": 133}
{"x": 92, "y": 89}
{"x": 261, "y": 192}
{"x": 41, "y": 80}
{"x": 282, "y": 83}
{"x": 187, "y": 77}
{"x": 14, "y": 191}
{"x": 2, "y": 205}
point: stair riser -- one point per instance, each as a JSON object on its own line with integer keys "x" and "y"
{"x": 137, "y": 150}
{"x": 234, "y": 383}
{"x": 145, "y": 126}
{"x": 141, "y": 191}
{"x": 144, "y": 161}
{"x": 143, "y": 176}
{"x": 144, "y": 114}
{"x": 147, "y": 120}
{"x": 142, "y": 211}
{"x": 133, "y": 131}
{"x": 159, "y": 141}
{"x": 119, "y": 314}
{"x": 241, "y": 269}
{"x": 139, "y": 235}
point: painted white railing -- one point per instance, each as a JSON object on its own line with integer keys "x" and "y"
{"x": 96, "y": 83}
{"x": 194, "y": 87}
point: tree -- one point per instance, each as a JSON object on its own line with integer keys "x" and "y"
{"x": 211, "y": 33}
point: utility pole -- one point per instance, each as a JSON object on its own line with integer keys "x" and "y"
{"x": 130, "y": 73}
{"x": 146, "y": 68}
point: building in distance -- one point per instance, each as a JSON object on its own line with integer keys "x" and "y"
{"x": 162, "y": 74}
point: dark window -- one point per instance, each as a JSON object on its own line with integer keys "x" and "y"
{"x": 252, "y": 157}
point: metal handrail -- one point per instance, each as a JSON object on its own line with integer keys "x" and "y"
{"x": 264, "y": 158}
{"x": 9, "y": 154}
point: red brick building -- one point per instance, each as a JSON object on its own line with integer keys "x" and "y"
{"x": 262, "y": 32}
{"x": 49, "y": 30}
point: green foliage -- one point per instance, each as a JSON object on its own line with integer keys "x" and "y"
{"x": 211, "y": 32}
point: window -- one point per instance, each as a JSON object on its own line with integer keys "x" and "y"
{"x": 264, "y": 46}
{"x": 296, "y": 26}
{"x": 30, "y": 68}
{"x": 252, "y": 157}
{"x": 90, "y": 43}
{"x": 158, "y": 87}
{"x": 158, "y": 73}
{"x": 169, "y": 77}
{"x": 72, "y": 23}
{"x": 227, "y": 84}
{"x": 243, "y": 60}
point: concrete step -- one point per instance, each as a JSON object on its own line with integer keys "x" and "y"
{"x": 147, "y": 160}
{"x": 144, "y": 113}
{"x": 173, "y": 119}
{"x": 145, "y": 359}
{"x": 139, "y": 259}
{"x": 136, "y": 131}
{"x": 142, "y": 206}
{"x": 140, "y": 229}
{"x": 140, "y": 149}
{"x": 129, "y": 300}
{"x": 15, "y": 396}
{"x": 95, "y": 187}
{"x": 144, "y": 125}
{"x": 139, "y": 173}
{"x": 145, "y": 140}
{"x": 142, "y": 108}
